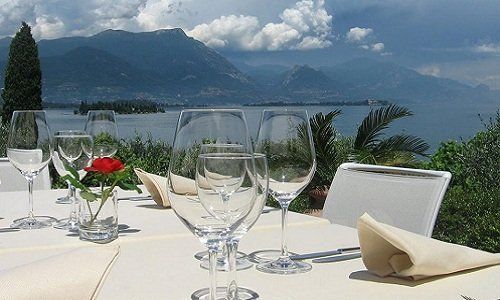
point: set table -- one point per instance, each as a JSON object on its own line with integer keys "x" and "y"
{"x": 156, "y": 256}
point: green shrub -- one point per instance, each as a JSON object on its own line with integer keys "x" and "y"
{"x": 470, "y": 212}
{"x": 471, "y": 218}
{"x": 4, "y": 132}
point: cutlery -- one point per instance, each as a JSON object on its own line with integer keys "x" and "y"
{"x": 136, "y": 198}
{"x": 268, "y": 210}
{"x": 9, "y": 229}
{"x": 324, "y": 253}
{"x": 336, "y": 258}
{"x": 467, "y": 297}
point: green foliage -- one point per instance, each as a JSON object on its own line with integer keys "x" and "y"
{"x": 4, "y": 133}
{"x": 331, "y": 149}
{"x": 471, "y": 218}
{"x": 371, "y": 147}
{"x": 23, "y": 76}
{"x": 470, "y": 212}
{"x": 121, "y": 107}
{"x": 151, "y": 155}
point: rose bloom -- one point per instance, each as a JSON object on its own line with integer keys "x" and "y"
{"x": 105, "y": 165}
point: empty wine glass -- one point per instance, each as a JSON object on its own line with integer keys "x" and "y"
{"x": 262, "y": 180}
{"x": 211, "y": 227}
{"x": 29, "y": 149}
{"x": 101, "y": 126}
{"x": 285, "y": 137}
{"x": 72, "y": 148}
{"x": 241, "y": 261}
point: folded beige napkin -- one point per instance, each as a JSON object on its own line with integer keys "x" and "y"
{"x": 388, "y": 250}
{"x": 74, "y": 275}
{"x": 157, "y": 186}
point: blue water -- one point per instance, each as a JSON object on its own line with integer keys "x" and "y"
{"x": 432, "y": 122}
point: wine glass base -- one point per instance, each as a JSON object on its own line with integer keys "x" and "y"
{"x": 243, "y": 294}
{"x": 284, "y": 266}
{"x": 263, "y": 256}
{"x": 36, "y": 222}
{"x": 203, "y": 255}
{"x": 241, "y": 264}
{"x": 63, "y": 200}
{"x": 65, "y": 224}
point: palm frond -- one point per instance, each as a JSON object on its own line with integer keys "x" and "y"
{"x": 401, "y": 143}
{"x": 371, "y": 128}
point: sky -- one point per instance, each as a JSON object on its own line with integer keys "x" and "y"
{"x": 458, "y": 39}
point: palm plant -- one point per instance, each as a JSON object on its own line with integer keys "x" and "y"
{"x": 371, "y": 147}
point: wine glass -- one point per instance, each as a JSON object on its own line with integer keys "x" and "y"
{"x": 222, "y": 264}
{"x": 241, "y": 261}
{"x": 195, "y": 128}
{"x": 262, "y": 181}
{"x": 285, "y": 137}
{"x": 101, "y": 126}
{"x": 72, "y": 148}
{"x": 29, "y": 149}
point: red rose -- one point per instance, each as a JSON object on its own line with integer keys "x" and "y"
{"x": 105, "y": 165}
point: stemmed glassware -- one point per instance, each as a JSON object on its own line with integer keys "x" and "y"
{"x": 211, "y": 193}
{"x": 231, "y": 261}
{"x": 101, "y": 126}
{"x": 71, "y": 148}
{"x": 29, "y": 149}
{"x": 285, "y": 137}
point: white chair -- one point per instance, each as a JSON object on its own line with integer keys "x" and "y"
{"x": 12, "y": 180}
{"x": 404, "y": 198}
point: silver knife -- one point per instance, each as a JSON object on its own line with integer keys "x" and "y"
{"x": 323, "y": 254}
{"x": 337, "y": 258}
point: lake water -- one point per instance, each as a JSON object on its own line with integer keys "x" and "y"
{"x": 432, "y": 122}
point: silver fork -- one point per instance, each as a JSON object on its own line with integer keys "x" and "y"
{"x": 467, "y": 297}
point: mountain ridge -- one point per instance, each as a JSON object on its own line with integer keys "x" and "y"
{"x": 168, "y": 66}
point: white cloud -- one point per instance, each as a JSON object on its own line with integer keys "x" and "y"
{"x": 48, "y": 27}
{"x": 487, "y": 48}
{"x": 358, "y": 35}
{"x": 306, "y": 25}
{"x": 431, "y": 70}
{"x": 377, "y": 47}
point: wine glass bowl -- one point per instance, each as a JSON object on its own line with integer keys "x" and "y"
{"x": 29, "y": 149}
{"x": 101, "y": 126}
{"x": 72, "y": 148}
{"x": 285, "y": 137}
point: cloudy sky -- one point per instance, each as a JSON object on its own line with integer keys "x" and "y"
{"x": 459, "y": 39}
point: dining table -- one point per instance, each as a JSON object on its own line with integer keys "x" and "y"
{"x": 156, "y": 256}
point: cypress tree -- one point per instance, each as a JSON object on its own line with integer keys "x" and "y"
{"x": 23, "y": 76}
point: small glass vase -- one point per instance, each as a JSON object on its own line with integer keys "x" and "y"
{"x": 98, "y": 219}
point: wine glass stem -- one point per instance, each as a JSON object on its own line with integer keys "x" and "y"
{"x": 72, "y": 214}
{"x": 284, "y": 221}
{"x": 31, "y": 215}
{"x": 212, "y": 272}
{"x": 232, "y": 286}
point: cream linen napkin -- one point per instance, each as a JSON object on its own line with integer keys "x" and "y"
{"x": 157, "y": 186}
{"x": 388, "y": 250}
{"x": 74, "y": 275}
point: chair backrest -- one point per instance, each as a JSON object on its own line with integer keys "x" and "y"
{"x": 405, "y": 198}
{"x": 12, "y": 180}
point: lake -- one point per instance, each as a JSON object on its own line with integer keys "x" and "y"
{"x": 432, "y": 122}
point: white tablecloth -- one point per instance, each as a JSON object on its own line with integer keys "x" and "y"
{"x": 156, "y": 260}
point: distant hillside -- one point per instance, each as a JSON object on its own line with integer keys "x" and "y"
{"x": 169, "y": 67}
{"x": 367, "y": 78}
{"x": 177, "y": 67}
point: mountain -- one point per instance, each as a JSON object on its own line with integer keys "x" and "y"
{"x": 170, "y": 67}
{"x": 368, "y": 78}
{"x": 306, "y": 78}
{"x": 178, "y": 67}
